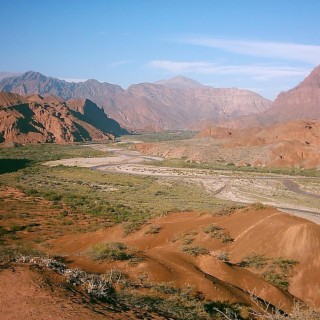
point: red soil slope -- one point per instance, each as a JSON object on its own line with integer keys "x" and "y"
{"x": 267, "y": 232}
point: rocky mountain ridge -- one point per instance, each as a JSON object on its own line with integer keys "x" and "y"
{"x": 174, "y": 104}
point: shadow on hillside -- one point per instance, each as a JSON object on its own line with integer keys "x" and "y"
{"x": 12, "y": 165}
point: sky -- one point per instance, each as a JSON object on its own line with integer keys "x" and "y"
{"x": 266, "y": 46}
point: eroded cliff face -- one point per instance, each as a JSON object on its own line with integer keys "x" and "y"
{"x": 35, "y": 119}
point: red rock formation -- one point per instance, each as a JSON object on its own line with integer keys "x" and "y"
{"x": 35, "y": 119}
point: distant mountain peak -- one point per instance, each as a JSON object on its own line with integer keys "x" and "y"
{"x": 32, "y": 75}
{"x": 180, "y": 82}
{"x": 313, "y": 79}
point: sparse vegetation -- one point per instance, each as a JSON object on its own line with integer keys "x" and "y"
{"x": 110, "y": 251}
{"x": 180, "y": 163}
{"x": 217, "y": 232}
{"x": 81, "y": 199}
{"x": 48, "y": 152}
{"x": 254, "y": 261}
{"x": 277, "y": 270}
{"x": 228, "y": 210}
{"x": 195, "y": 251}
{"x": 257, "y": 206}
{"x": 153, "y": 229}
{"x": 224, "y": 256}
{"x": 163, "y": 299}
{"x": 161, "y": 136}
{"x": 116, "y": 198}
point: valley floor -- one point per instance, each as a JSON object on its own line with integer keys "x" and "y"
{"x": 293, "y": 194}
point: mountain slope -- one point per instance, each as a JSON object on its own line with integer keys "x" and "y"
{"x": 301, "y": 102}
{"x": 88, "y": 111}
{"x": 36, "y": 119}
{"x": 174, "y": 104}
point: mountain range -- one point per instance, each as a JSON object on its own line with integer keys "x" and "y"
{"x": 166, "y": 105}
{"x": 177, "y": 103}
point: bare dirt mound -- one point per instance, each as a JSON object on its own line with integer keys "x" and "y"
{"x": 191, "y": 248}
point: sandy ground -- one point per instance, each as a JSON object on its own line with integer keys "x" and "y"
{"x": 283, "y": 192}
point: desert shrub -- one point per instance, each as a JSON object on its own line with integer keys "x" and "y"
{"x": 277, "y": 279}
{"x": 153, "y": 229}
{"x": 258, "y": 206}
{"x": 3, "y": 231}
{"x": 11, "y": 253}
{"x": 277, "y": 270}
{"x": 16, "y": 228}
{"x": 299, "y": 312}
{"x": 165, "y": 288}
{"x": 132, "y": 226}
{"x": 284, "y": 264}
{"x": 227, "y": 210}
{"x": 223, "y": 256}
{"x": 195, "y": 251}
{"x": 187, "y": 241}
{"x": 254, "y": 261}
{"x": 211, "y": 229}
{"x": 109, "y": 251}
{"x": 115, "y": 276}
{"x": 217, "y": 232}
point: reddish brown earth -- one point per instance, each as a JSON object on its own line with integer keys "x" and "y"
{"x": 260, "y": 231}
{"x": 292, "y": 144}
{"x": 289, "y": 144}
{"x": 33, "y": 293}
{"x": 267, "y": 232}
{"x": 34, "y": 119}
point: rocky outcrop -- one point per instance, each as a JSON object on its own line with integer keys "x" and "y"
{"x": 36, "y": 119}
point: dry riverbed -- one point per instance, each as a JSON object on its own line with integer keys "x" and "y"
{"x": 296, "y": 195}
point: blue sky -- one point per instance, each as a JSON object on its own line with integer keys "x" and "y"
{"x": 266, "y": 46}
